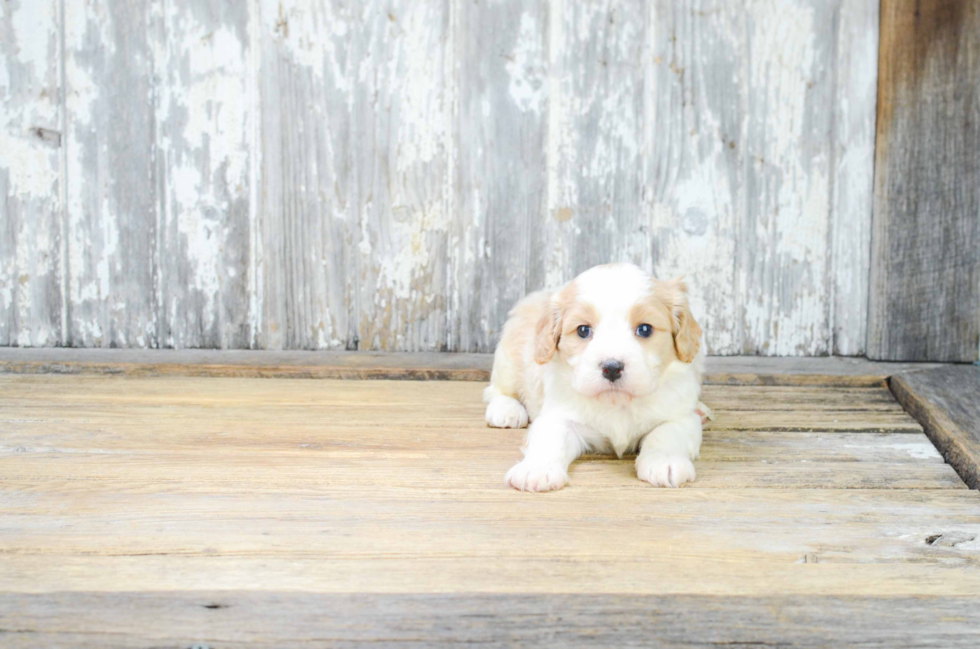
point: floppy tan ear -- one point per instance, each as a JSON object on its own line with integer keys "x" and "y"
{"x": 547, "y": 334}
{"x": 685, "y": 329}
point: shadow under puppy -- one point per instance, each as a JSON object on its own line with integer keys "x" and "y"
{"x": 609, "y": 363}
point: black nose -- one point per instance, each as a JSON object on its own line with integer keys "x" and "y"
{"x": 612, "y": 370}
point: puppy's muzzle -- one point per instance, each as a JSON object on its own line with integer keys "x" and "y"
{"x": 612, "y": 370}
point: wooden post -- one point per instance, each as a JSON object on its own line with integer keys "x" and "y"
{"x": 925, "y": 262}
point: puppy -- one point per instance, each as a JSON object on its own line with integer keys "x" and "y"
{"x": 611, "y": 362}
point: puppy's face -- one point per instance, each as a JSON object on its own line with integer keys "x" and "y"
{"x": 617, "y": 329}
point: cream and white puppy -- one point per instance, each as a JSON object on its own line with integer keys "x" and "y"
{"x": 608, "y": 363}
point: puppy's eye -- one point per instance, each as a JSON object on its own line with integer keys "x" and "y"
{"x": 644, "y": 331}
{"x": 584, "y": 331}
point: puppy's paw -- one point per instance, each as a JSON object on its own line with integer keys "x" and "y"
{"x": 528, "y": 476}
{"x": 505, "y": 412}
{"x": 707, "y": 414}
{"x": 665, "y": 470}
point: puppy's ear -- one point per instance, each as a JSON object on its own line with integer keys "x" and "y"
{"x": 686, "y": 330}
{"x": 547, "y": 334}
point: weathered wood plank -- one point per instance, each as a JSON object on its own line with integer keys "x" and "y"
{"x": 852, "y": 154}
{"x": 925, "y": 271}
{"x": 667, "y": 573}
{"x": 305, "y": 276}
{"x": 202, "y": 134}
{"x": 402, "y": 106}
{"x": 760, "y": 526}
{"x": 597, "y": 55}
{"x": 805, "y": 421}
{"x": 447, "y": 436}
{"x": 738, "y": 370}
{"x": 790, "y": 448}
{"x": 731, "y": 162}
{"x": 262, "y": 619}
{"x": 693, "y": 141}
{"x": 783, "y": 249}
{"x": 946, "y": 402}
{"x": 31, "y": 182}
{"x": 305, "y": 473}
{"x": 113, "y": 183}
{"x": 936, "y": 511}
{"x": 800, "y": 398}
{"x": 503, "y": 93}
{"x": 892, "y": 421}
{"x": 65, "y": 392}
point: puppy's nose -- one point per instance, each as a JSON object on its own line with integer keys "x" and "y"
{"x": 612, "y": 370}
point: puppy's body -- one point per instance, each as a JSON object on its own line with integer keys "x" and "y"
{"x": 614, "y": 390}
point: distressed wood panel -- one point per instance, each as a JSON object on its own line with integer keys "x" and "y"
{"x": 30, "y": 173}
{"x": 853, "y": 143}
{"x": 503, "y": 90}
{"x": 594, "y": 144}
{"x": 312, "y": 174}
{"x": 784, "y": 234}
{"x": 112, "y": 178}
{"x": 304, "y": 257}
{"x": 693, "y": 141}
{"x": 202, "y": 83}
{"x": 270, "y": 620}
{"x": 925, "y": 273}
{"x": 402, "y": 98}
{"x": 945, "y": 401}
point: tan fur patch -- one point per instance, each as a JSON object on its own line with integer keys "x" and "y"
{"x": 685, "y": 329}
{"x": 655, "y": 312}
{"x": 576, "y": 315}
{"x": 549, "y": 328}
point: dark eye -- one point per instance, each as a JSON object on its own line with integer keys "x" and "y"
{"x": 584, "y": 331}
{"x": 644, "y": 331}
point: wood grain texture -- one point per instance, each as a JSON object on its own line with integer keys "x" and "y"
{"x": 925, "y": 277}
{"x": 304, "y": 259}
{"x": 403, "y": 100}
{"x": 225, "y": 511}
{"x": 31, "y": 155}
{"x": 244, "y": 619}
{"x": 201, "y": 58}
{"x": 853, "y": 150}
{"x": 721, "y": 370}
{"x": 945, "y": 402}
{"x": 502, "y": 76}
{"x": 311, "y": 174}
{"x": 112, "y": 179}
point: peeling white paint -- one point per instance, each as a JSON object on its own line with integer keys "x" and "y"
{"x": 528, "y": 83}
{"x": 30, "y": 204}
{"x": 331, "y": 170}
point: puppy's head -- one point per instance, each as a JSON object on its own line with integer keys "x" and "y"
{"x": 617, "y": 329}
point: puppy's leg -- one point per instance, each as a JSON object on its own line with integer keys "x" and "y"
{"x": 503, "y": 411}
{"x": 666, "y": 452}
{"x": 552, "y": 444}
{"x": 707, "y": 414}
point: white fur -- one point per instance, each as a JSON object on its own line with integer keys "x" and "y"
{"x": 505, "y": 412}
{"x": 574, "y": 409}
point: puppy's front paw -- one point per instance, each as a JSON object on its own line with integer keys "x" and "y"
{"x": 528, "y": 476}
{"x": 706, "y": 413}
{"x": 505, "y": 412}
{"x": 665, "y": 470}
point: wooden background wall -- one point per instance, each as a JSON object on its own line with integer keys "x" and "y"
{"x": 395, "y": 174}
{"x": 925, "y": 279}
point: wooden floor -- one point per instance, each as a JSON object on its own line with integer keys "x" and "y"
{"x": 176, "y": 511}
